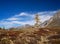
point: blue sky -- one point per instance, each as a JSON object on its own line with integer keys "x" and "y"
{"x": 15, "y": 13}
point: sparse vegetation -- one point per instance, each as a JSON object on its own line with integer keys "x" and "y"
{"x": 25, "y": 37}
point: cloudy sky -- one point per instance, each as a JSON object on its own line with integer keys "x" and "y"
{"x": 15, "y": 13}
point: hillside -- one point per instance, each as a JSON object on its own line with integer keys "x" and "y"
{"x": 24, "y": 36}
{"x": 53, "y": 22}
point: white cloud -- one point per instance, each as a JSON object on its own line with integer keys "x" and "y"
{"x": 13, "y": 18}
{"x": 10, "y": 22}
{"x": 6, "y": 24}
{"x": 23, "y": 23}
{"x": 23, "y": 14}
{"x": 47, "y": 12}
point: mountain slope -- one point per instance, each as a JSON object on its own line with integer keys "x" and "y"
{"x": 53, "y": 22}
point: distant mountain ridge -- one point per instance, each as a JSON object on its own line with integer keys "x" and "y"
{"x": 53, "y": 22}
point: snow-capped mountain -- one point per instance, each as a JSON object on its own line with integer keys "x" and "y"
{"x": 53, "y": 22}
